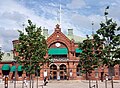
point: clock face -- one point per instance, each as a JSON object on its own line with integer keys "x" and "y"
{"x": 57, "y": 44}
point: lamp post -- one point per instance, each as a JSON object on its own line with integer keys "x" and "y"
{"x": 15, "y": 62}
{"x": 6, "y": 82}
{"x": 37, "y": 77}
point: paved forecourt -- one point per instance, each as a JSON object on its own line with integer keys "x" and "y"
{"x": 64, "y": 84}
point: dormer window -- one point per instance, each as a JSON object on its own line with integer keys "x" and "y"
{"x": 8, "y": 54}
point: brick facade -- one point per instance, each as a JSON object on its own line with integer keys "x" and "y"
{"x": 67, "y": 68}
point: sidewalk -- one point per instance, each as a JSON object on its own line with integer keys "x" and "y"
{"x": 65, "y": 84}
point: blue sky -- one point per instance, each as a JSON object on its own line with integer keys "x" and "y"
{"x": 75, "y": 14}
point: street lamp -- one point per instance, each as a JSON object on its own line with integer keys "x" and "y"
{"x": 106, "y": 12}
{"x": 15, "y": 74}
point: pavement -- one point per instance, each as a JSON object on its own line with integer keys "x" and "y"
{"x": 63, "y": 84}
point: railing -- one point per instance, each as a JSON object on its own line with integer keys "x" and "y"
{"x": 60, "y": 59}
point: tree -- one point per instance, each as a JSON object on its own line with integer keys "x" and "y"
{"x": 111, "y": 41}
{"x": 1, "y": 54}
{"x": 89, "y": 58}
{"x": 32, "y": 48}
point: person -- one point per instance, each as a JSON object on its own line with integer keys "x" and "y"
{"x": 45, "y": 74}
{"x": 50, "y": 76}
{"x": 45, "y": 81}
{"x": 58, "y": 78}
{"x": 45, "y": 77}
{"x": 106, "y": 77}
{"x": 71, "y": 73}
{"x": 65, "y": 76}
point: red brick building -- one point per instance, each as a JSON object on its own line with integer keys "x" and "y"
{"x": 64, "y": 51}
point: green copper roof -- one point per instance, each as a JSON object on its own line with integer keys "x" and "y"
{"x": 57, "y": 51}
{"x": 77, "y": 50}
{"x": 20, "y": 68}
{"x": 6, "y": 67}
{"x": 61, "y": 51}
{"x": 7, "y": 57}
{"x": 13, "y": 68}
{"x": 76, "y": 38}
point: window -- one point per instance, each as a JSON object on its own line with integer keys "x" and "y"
{"x": 20, "y": 73}
{"x": 77, "y": 54}
{"x": 8, "y": 54}
{"x": 111, "y": 71}
{"x": 78, "y": 70}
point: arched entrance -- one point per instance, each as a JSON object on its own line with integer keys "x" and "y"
{"x": 63, "y": 72}
{"x": 53, "y": 72}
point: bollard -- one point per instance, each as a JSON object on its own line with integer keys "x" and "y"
{"x": 6, "y": 82}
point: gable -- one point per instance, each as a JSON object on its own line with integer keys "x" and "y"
{"x": 58, "y": 36}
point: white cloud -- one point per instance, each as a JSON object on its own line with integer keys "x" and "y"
{"x": 14, "y": 14}
{"x": 76, "y": 4}
{"x": 84, "y": 23}
{"x": 6, "y": 38}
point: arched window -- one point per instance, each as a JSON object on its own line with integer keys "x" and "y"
{"x": 63, "y": 67}
{"x": 53, "y": 67}
{"x": 111, "y": 71}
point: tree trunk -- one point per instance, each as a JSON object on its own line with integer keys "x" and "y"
{"x": 15, "y": 80}
{"x": 37, "y": 79}
{"x": 89, "y": 81}
{"x": 102, "y": 73}
{"x": 86, "y": 76}
{"x": 111, "y": 74}
{"x": 30, "y": 73}
{"x": 30, "y": 80}
{"x": 89, "y": 84}
{"x": 23, "y": 84}
{"x": 112, "y": 82}
{"x": 105, "y": 83}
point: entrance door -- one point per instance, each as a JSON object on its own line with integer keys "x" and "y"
{"x": 53, "y": 72}
{"x": 63, "y": 72}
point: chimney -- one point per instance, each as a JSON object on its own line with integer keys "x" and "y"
{"x": 45, "y": 32}
{"x": 70, "y": 32}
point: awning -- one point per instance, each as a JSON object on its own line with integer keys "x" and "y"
{"x": 6, "y": 67}
{"x": 58, "y": 51}
{"x": 20, "y": 68}
{"x": 77, "y": 50}
{"x": 13, "y": 68}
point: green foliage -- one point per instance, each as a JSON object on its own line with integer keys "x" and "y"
{"x": 89, "y": 58}
{"x": 111, "y": 41}
{"x": 32, "y": 48}
{"x": 1, "y": 54}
